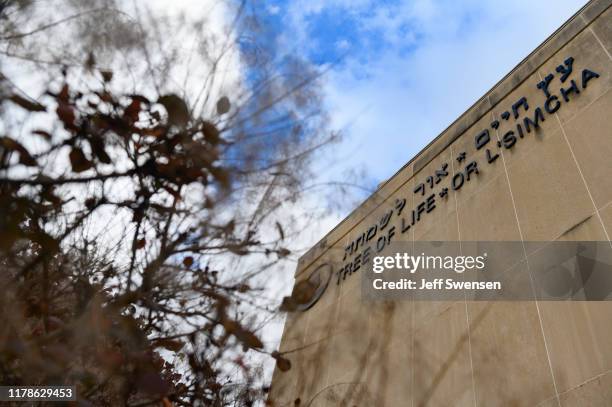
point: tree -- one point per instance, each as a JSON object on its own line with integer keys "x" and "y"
{"x": 126, "y": 198}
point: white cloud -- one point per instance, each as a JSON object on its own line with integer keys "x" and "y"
{"x": 431, "y": 60}
{"x": 343, "y": 44}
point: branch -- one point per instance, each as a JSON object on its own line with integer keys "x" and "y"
{"x": 63, "y": 181}
{"x": 55, "y": 23}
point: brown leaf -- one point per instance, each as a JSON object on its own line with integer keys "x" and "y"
{"x": 157, "y": 131}
{"x": 249, "y": 338}
{"x": 223, "y": 105}
{"x": 140, "y": 243}
{"x": 304, "y": 290}
{"x": 25, "y": 157}
{"x": 221, "y": 175}
{"x": 64, "y": 94}
{"x": 283, "y": 364}
{"x": 283, "y": 252}
{"x": 43, "y": 133}
{"x": 188, "y": 261}
{"x": 211, "y": 134}
{"x": 245, "y": 336}
{"x": 78, "y": 160}
{"x": 90, "y": 203}
{"x": 288, "y": 304}
{"x": 107, "y": 76}
{"x": 10, "y": 144}
{"x": 49, "y": 196}
{"x": 243, "y": 288}
{"x": 178, "y": 113}
{"x": 65, "y": 113}
{"x": 97, "y": 146}
{"x": 133, "y": 109}
{"x": 32, "y": 106}
{"x": 105, "y": 96}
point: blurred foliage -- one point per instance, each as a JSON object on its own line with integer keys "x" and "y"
{"x": 120, "y": 192}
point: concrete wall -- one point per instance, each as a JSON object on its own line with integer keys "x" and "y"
{"x": 555, "y": 183}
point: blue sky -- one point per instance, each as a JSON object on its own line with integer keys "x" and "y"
{"x": 404, "y": 70}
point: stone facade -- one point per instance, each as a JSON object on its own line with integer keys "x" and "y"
{"x": 554, "y": 183}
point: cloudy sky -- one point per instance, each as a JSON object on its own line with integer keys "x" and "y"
{"x": 403, "y": 70}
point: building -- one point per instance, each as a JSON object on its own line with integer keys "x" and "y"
{"x": 542, "y": 143}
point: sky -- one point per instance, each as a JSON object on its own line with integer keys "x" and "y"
{"x": 401, "y": 71}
